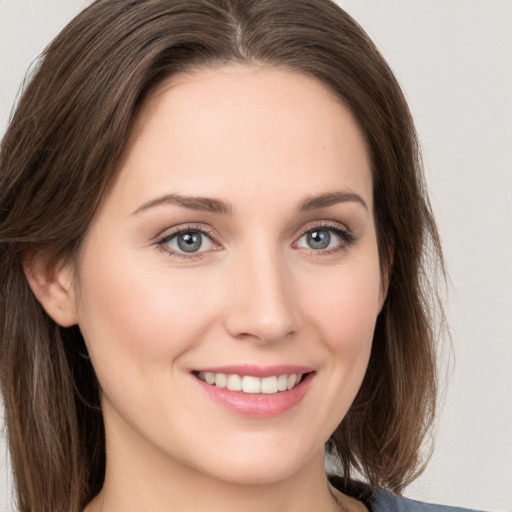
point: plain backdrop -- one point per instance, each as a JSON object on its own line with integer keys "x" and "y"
{"x": 454, "y": 61}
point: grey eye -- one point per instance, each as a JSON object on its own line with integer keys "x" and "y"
{"x": 318, "y": 239}
{"x": 189, "y": 242}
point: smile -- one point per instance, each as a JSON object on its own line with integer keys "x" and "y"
{"x": 256, "y": 391}
{"x": 250, "y": 384}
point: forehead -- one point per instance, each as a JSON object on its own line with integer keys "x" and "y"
{"x": 245, "y": 127}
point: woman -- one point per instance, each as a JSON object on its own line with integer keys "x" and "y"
{"x": 213, "y": 234}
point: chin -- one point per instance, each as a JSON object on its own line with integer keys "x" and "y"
{"x": 245, "y": 465}
{"x": 245, "y": 473}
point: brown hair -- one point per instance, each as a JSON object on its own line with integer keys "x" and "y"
{"x": 60, "y": 153}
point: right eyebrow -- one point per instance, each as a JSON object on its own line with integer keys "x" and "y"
{"x": 205, "y": 204}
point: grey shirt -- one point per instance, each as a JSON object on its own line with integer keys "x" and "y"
{"x": 383, "y": 501}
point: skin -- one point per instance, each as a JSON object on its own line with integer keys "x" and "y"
{"x": 262, "y": 140}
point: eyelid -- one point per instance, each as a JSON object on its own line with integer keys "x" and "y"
{"x": 323, "y": 224}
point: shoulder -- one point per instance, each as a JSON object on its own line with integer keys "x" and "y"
{"x": 379, "y": 500}
{"x": 383, "y": 501}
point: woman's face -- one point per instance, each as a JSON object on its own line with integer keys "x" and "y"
{"x": 236, "y": 248}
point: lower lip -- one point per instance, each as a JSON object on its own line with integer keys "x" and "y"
{"x": 258, "y": 405}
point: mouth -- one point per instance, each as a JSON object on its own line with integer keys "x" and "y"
{"x": 254, "y": 391}
{"x": 251, "y": 384}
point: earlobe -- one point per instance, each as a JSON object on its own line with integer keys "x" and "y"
{"x": 52, "y": 284}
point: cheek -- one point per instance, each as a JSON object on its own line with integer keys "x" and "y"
{"x": 134, "y": 316}
{"x": 343, "y": 314}
{"x": 346, "y": 310}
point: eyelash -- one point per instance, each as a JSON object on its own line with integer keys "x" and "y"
{"x": 346, "y": 236}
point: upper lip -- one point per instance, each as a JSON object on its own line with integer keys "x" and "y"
{"x": 256, "y": 370}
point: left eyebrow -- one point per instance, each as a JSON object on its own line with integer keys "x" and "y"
{"x": 329, "y": 199}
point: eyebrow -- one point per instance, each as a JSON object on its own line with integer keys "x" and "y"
{"x": 212, "y": 205}
{"x": 204, "y": 204}
{"x": 330, "y": 199}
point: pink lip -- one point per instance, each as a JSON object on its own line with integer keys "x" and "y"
{"x": 258, "y": 405}
{"x": 257, "y": 371}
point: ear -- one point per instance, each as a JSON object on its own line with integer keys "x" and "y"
{"x": 52, "y": 284}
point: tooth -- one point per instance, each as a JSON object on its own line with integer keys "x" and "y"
{"x": 292, "y": 379}
{"x": 269, "y": 385}
{"x": 220, "y": 380}
{"x": 234, "y": 383}
{"x": 281, "y": 382}
{"x": 251, "y": 384}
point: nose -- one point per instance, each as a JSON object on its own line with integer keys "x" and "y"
{"x": 262, "y": 302}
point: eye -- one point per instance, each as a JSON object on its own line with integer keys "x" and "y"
{"x": 187, "y": 241}
{"x": 323, "y": 238}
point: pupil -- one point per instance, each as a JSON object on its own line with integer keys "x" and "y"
{"x": 189, "y": 242}
{"x": 319, "y": 239}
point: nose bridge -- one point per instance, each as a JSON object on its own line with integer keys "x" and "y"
{"x": 262, "y": 302}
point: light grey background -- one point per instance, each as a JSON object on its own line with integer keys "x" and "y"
{"x": 454, "y": 61}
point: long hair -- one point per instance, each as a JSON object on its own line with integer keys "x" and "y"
{"x": 60, "y": 153}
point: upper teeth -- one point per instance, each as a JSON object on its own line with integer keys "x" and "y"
{"x": 250, "y": 384}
